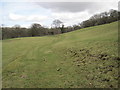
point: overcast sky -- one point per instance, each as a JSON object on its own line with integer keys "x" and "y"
{"x": 70, "y": 13}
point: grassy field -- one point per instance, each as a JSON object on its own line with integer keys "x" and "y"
{"x": 86, "y": 58}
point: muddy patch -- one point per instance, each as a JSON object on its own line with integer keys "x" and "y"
{"x": 99, "y": 68}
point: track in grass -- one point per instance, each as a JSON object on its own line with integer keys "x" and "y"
{"x": 86, "y": 58}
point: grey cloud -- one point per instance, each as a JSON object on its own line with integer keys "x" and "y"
{"x": 76, "y": 6}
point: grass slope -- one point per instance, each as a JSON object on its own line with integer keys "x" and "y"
{"x": 85, "y": 58}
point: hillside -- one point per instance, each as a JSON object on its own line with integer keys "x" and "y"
{"x": 86, "y": 58}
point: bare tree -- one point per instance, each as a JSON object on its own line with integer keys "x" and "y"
{"x": 16, "y": 26}
{"x": 56, "y": 23}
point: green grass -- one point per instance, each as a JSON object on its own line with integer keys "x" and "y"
{"x": 86, "y": 58}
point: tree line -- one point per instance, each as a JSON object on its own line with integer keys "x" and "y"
{"x": 58, "y": 26}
